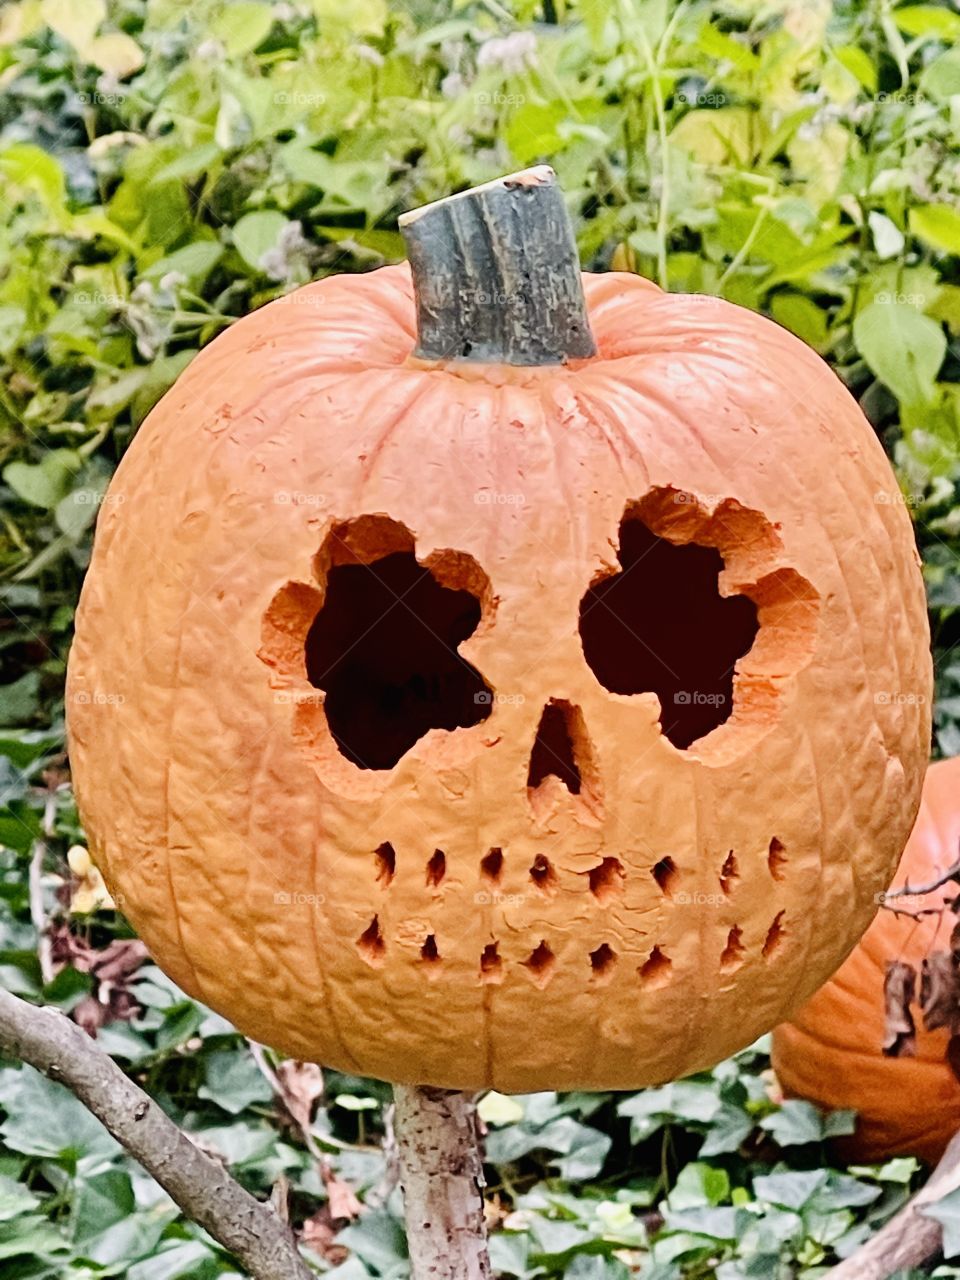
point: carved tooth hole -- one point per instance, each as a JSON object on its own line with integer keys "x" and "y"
{"x": 777, "y": 859}
{"x": 655, "y": 971}
{"x": 491, "y": 866}
{"x": 436, "y": 869}
{"x": 370, "y": 944}
{"x": 667, "y": 876}
{"x": 491, "y": 964}
{"x": 428, "y": 952}
{"x": 733, "y": 952}
{"x": 603, "y": 962}
{"x": 541, "y": 963}
{"x": 729, "y": 872}
{"x": 606, "y": 880}
{"x": 774, "y": 937}
{"x": 542, "y": 874}
{"x": 386, "y": 861}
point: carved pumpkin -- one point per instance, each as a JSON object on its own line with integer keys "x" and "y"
{"x": 473, "y": 721}
{"x": 831, "y": 1052}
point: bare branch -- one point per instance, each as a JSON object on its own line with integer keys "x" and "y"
{"x": 918, "y": 890}
{"x": 203, "y": 1189}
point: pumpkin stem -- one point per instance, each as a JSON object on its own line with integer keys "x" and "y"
{"x": 441, "y": 1172}
{"x": 496, "y": 274}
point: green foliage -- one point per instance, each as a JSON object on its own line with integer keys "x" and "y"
{"x": 168, "y": 166}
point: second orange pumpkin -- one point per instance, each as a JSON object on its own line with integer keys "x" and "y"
{"x": 831, "y": 1052}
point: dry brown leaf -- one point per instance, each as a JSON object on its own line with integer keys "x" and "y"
{"x": 301, "y": 1085}
{"x": 899, "y": 989}
{"x": 318, "y": 1233}
{"x": 342, "y": 1201}
{"x": 940, "y": 991}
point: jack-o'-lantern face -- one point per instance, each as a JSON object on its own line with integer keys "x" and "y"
{"x": 535, "y": 728}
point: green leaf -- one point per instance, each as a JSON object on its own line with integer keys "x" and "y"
{"x": 116, "y": 53}
{"x": 257, "y": 233}
{"x": 20, "y": 700}
{"x": 903, "y": 348}
{"x": 102, "y": 1200}
{"x": 946, "y": 1211}
{"x": 362, "y": 17}
{"x": 194, "y": 262}
{"x": 928, "y": 20}
{"x": 888, "y": 239}
{"x": 497, "y": 1108}
{"x": 45, "y": 1119}
{"x": 76, "y": 21}
{"x": 241, "y": 25}
{"x": 31, "y": 167}
{"x": 941, "y": 79}
{"x": 179, "y": 1024}
{"x": 233, "y": 1081}
{"x": 699, "y": 1184}
{"x": 794, "y": 1124}
{"x": 859, "y": 64}
{"x": 938, "y": 225}
{"x": 44, "y": 483}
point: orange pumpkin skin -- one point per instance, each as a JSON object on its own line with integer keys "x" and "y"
{"x": 831, "y": 1052}
{"x": 685, "y": 900}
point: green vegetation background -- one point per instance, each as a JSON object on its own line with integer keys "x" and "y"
{"x": 167, "y": 165}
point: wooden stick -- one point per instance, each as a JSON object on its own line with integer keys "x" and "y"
{"x": 441, "y": 1173}
{"x": 910, "y": 1237}
{"x": 200, "y": 1185}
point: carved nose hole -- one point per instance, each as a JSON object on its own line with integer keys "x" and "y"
{"x": 554, "y": 751}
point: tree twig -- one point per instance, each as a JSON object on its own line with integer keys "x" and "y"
{"x": 917, "y": 891}
{"x": 910, "y": 1237}
{"x": 199, "y": 1184}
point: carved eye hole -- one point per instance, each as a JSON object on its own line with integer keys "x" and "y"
{"x": 384, "y": 644}
{"x": 660, "y": 625}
